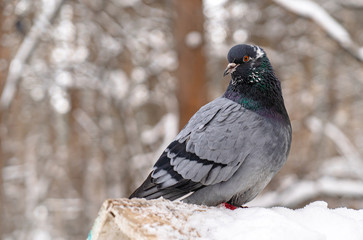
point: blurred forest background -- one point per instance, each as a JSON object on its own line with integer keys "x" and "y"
{"x": 93, "y": 90}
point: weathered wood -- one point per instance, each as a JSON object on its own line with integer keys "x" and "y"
{"x": 140, "y": 219}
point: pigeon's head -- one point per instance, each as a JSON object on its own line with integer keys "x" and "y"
{"x": 243, "y": 60}
{"x": 254, "y": 84}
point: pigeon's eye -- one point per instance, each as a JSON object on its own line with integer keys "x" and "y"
{"x": 246, "y": 58}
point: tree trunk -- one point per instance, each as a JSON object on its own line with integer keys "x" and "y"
{"x": 189, "y": 37}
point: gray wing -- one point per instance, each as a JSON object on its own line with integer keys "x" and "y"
{"x": 209, "y": 150}
{"x": 219, "y": 133}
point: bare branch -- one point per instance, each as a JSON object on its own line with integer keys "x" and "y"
{"x": 310, "y": 9}
{"x": 344, "y": 145}
{"x": 86, "y": 122}
{"x": 299, "y": 191}
{"x": 355, "y": 4}
{"x": 25, "y": 50}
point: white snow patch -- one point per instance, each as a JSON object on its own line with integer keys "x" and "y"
{"x": 119, "y": 84}
{"x": 59, "y": 99}
{"x": 314, "y": 222}
{"x": 193, "y": 39}
{"x": 240, "y": 36}
{"x": 360, "y": 52}
{"x": 63, "y": 78}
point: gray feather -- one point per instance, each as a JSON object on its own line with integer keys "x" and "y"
{"x": 219, "y": 140}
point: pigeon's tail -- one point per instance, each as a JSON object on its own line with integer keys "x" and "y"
{"x": 150, "y": 190}
{"x": 180, "y": 190}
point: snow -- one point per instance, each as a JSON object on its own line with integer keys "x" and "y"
{"x": 343, "y": 144}
{"x": 360, "y": 52}
{"x": 315, "y": 221}
{"x": 294, "y": 191}
{"x": 240, "y": 36}
{"x": 193, "y": 39}
{"x": 177, "y": 220}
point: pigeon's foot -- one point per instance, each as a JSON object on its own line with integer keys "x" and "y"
{"x": 232, "y": 207}
{"x": 229, "y": 206}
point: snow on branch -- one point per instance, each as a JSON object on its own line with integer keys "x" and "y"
{"x": 356, "y": 4}
{"x": 344, "y": 145}
{"x": 310, "y": 9}
{"x": 163, "y": 219}
{"x": 300, "y": 191}
{"x": 49, "y": 11}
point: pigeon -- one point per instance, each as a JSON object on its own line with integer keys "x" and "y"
{"x": 232, "y": 147}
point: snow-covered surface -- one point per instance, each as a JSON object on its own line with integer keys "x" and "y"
{"x": 162, "y": 219}
{"x": 315, "y": 221}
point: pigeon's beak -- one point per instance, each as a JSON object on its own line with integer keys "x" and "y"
{"x": 231, "y": 67}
